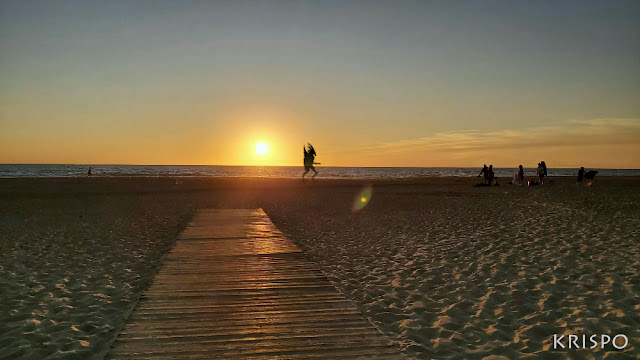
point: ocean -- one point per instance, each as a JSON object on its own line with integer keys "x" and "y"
{"x": 53, "y": 170}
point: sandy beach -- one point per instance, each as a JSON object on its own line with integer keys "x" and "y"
{"x": 444, "y": 269}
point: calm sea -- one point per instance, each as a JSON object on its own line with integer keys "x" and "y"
{"x": 51, "y": 170}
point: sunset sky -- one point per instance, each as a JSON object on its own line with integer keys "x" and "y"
{"x": 398, "y": 83}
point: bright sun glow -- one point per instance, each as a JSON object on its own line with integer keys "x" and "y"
{"x": 262, "y": 148}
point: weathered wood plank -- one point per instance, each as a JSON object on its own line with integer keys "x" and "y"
{"x": 234, "y": 287}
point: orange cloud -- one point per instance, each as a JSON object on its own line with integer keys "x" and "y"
{"x": 599, "y": 142}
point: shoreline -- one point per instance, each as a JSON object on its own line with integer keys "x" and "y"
{"x": 55, "y": 186}
{"x": 202, "y": 177}
{"x": 288, "y": 172}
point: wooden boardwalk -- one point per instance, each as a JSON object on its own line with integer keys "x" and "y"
{"x": 234, "y": 287}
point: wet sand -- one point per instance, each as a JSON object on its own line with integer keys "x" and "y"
{"x": 446, "y": 270}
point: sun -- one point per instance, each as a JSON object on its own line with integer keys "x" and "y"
{"x": 262, "y": 148}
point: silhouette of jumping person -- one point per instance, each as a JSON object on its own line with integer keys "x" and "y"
{"x": 89, "y": 172}
{"x": 309, "y": 156}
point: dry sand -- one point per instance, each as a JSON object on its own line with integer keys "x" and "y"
{"x": 446, "y": 270}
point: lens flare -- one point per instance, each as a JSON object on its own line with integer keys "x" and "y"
{"x": 363, "y": 198}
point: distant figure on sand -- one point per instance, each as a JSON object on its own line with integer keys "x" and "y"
{"x": 521, "y": 174}
{"x": 485, "y": 172}
{"x": 492, "y": 175}
{"x": 544, "y": 166}
{"x": 309, "y": 156}
{"x": 540, "y": 171}
{"x": 590, "y": 175}
{"x": 89, "y": 172}
{"x": 580, "y": 176}
{"x": 518, "y": 177}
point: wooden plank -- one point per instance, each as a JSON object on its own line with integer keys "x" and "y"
{"x": 235, "y": 287}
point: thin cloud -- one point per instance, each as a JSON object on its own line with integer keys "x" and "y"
{"x": 571, "y": 133}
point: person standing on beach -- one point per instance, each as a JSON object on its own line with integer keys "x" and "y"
{"x": 491, "y": 175}
{"x": 521, "y": 174}
{"x": 89, "y": 172}
{"x": 309, "y": 156}
{"x": 485, "y": 172}
{"x": 540, "y": 172}
{"x": 544, "y": 166}
{"x": 580, "y": 175}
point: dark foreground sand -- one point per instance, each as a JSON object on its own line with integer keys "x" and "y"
{"x": 446, "y": 270}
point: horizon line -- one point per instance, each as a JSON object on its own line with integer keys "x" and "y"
{"x": 336, "y": 166}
